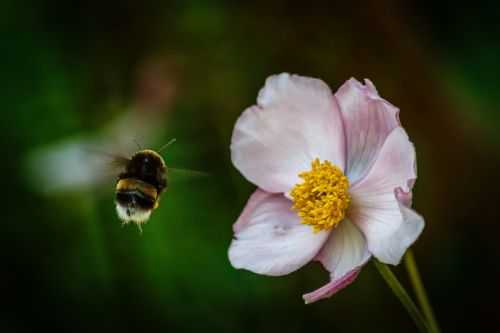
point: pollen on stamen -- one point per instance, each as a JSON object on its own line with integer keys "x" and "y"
{"x": 322, "y": 199}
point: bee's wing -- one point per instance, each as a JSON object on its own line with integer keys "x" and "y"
{"x": 112, "y": 160}
{"x": 179, "y": 174}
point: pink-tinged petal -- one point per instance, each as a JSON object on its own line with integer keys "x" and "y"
{"x": 269, "y": 238}
{"x": 380, "y": 200}
{"x": 403, "y": 196}
{"x": 296, "y": 120}
{"x": 332, "y": 287}
{"x": 368, "y": 120}
{"x": 345, "y": 250}
{"x": 343, "y": 255}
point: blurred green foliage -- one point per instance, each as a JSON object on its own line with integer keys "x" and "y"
{"x": 69, "y": 68}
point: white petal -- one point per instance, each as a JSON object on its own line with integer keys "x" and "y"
{"x": 296, "y": 120}
{"x": 378, "y": 200}
{"x": 269, "y": 238}
{"x": 345, "y": 250}
{"x": 368, "y": 120}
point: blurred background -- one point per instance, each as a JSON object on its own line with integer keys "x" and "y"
{"x": 90, "y": 74}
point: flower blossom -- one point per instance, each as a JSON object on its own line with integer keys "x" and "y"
{"x": 334, "y": 174}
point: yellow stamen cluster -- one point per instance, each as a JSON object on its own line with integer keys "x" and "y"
{"x": 322, "y": 199}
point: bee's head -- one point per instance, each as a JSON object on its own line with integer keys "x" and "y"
{"x": 146, "y": 162}
{"x": 148, "y": 166}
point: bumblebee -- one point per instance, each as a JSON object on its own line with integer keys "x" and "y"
{"x": 139, "y": 187}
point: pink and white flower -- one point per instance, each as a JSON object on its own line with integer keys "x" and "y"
{"x": 342, "y": 162}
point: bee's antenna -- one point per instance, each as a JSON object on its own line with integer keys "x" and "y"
{"x": 138, "y": 144}
{"x": 165, "y": 146}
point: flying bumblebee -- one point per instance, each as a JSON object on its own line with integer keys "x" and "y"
{"x": 140, "y": 185}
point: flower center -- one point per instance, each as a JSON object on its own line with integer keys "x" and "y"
{"x": 322, "y": 199}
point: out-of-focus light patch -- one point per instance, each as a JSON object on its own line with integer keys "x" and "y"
{"x": 63, "y": 167}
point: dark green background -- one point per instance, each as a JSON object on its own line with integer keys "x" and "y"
{"x": 67, "y": 68}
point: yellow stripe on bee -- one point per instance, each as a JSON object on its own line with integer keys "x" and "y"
{"x": 136, "y": 184}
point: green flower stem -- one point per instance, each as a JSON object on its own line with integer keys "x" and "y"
{"x": 401, "y": 293}
{"x": 418, "y": 287}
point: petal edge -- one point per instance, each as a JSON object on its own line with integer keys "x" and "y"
{"x": 332, "y": 287}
